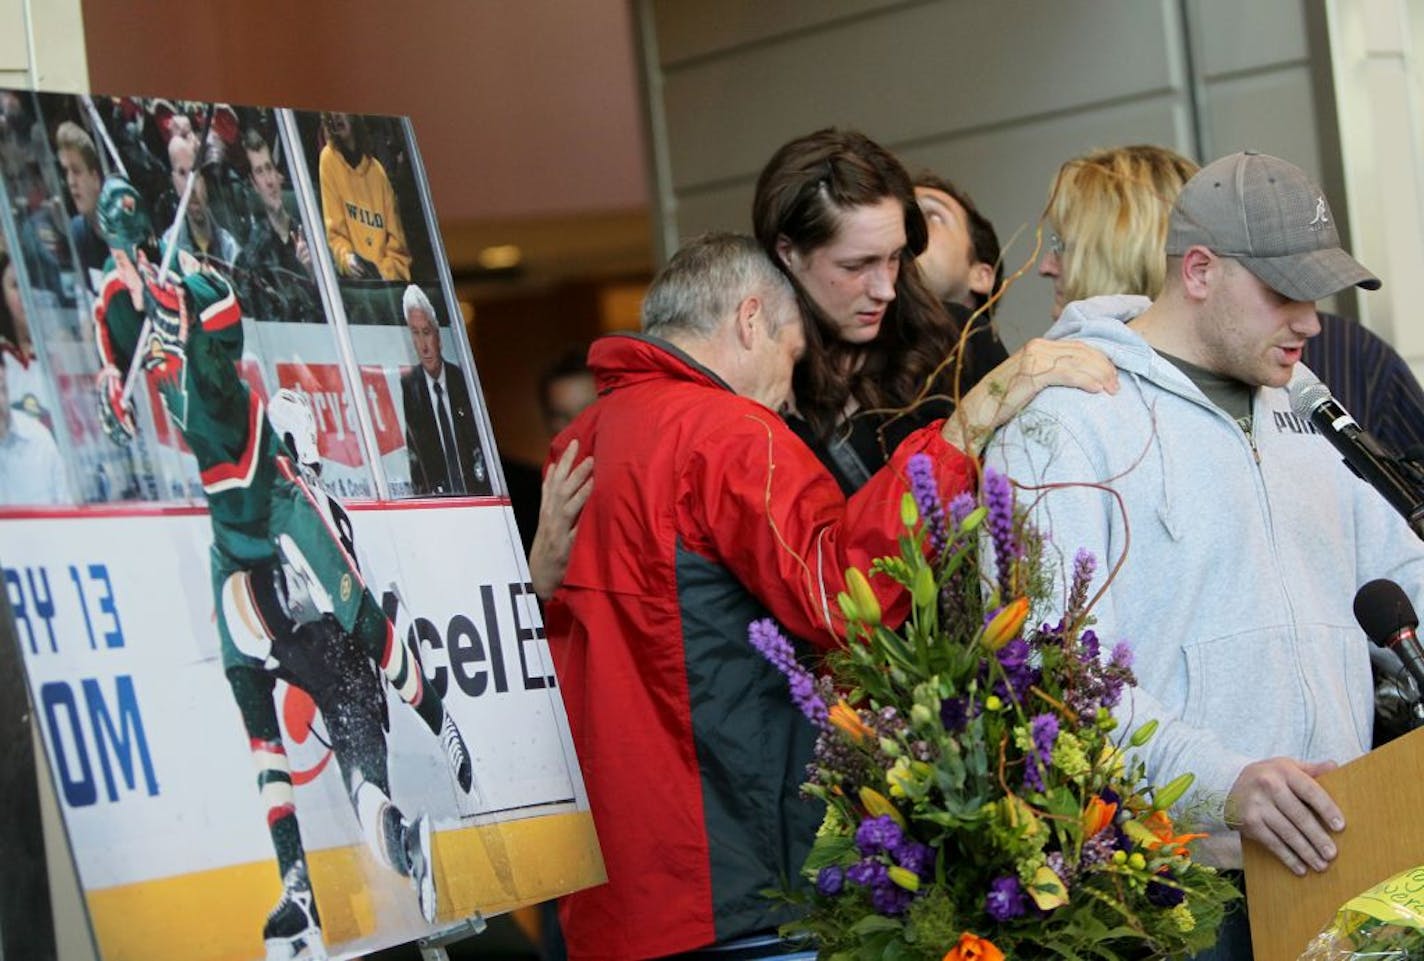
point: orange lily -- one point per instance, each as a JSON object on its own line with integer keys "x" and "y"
{"x": 843, "y": 716}
{"x": 971, "y": 947}
{"x": 1097, "y": 815}
{"x": 1161, "y": 825}
{"x": 1004, "y": 626}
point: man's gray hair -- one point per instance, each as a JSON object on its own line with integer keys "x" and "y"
{"x": 705, "y": 280}
{"x": 414, "y": 299}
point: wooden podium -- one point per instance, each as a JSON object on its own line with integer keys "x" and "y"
{"x": 1382, "y": 798}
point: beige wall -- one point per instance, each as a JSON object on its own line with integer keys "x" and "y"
{"x": 42, "y": 45}
{"x": 994, "y": 95}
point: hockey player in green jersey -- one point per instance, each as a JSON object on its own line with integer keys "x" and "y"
{"x": 290, "y": 601}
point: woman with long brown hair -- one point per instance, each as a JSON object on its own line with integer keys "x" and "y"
{"x": 838, "y": 213}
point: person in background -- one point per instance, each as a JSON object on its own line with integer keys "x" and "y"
{"x": 284, "y": 242}
{"x": 962, "y": 266}
{"x": 199, "y": 233}
{"x": 26, "y": 387}
{"x": 708, "y": 513}
{"x": 276, "y": 267}
{"x": 1248, "y": 655}
{"x": 80, "y": 163}
{"x": 1107, "y": 222}
{"x": 441, "y": 437}
{"x": 363, "y": 221}
{"x": 31, "y": 471}
{"x": 565, "y": 389}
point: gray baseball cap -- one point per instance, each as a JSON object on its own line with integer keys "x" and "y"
{"x": 1266, "y": 214}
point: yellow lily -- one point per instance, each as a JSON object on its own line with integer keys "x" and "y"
{"x": 879, "y": 805}
{"x": 865, "y": 600}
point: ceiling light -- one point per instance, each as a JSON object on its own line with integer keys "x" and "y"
{"x": 500, "y": 257}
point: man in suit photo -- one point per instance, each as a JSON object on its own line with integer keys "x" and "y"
{"x": 440, "y": 434}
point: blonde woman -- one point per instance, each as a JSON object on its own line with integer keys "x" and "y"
{"x": 1107, "y": 222}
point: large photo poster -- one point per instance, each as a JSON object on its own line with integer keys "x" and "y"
{"x": 266, "y": 586}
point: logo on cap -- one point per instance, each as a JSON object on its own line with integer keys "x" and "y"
{"x": 1322, "y": 216}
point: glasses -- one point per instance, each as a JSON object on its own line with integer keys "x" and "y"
{"x": 1055, "y": 244}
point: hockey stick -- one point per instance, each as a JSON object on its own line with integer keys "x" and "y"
{"x": 136, "y": 362}
{"x": 98, "y": 122}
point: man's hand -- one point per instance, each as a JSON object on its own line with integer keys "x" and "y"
{"x": 1006, "y": 389}
{"x": 114, "y": 414}
{"x": 1278, "y": 803}
{"x": 360, "y": 268}
{"x": 301, "y": 249}
{"x": 566, "y": 488}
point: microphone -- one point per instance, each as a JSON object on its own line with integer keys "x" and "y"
{"x": 1384, "y": 612}
{"x": 1312, "y": 400}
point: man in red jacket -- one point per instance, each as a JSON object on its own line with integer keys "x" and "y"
{"x": 707, "y": 513}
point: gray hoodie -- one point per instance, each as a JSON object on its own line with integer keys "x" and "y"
{"x": 1245, "y": 554}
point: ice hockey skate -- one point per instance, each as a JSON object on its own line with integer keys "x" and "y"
{"x": 293, "y": 929}
{"x": 420, "y": 865}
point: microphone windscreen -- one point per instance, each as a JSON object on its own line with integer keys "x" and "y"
{"x": 1383, "y": 610}
{"x": 1306, "y": 394}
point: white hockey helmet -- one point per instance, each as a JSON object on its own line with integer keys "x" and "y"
{"x": 290, "y": 415}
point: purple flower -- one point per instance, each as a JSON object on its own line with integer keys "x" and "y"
{"x": 1112, "y": 690}
{"x": 926, "y": 493}
{"x": 954, "y": 714}
{"x": 1098, "y": 848}
{"x": 1121, "y": 656}
{"x": 1043, "y": 729}
{"x": 1091, "y": 646}
{"x": 914, "y": 856}
{"x": 1014, "y": 654}
{"x": 868, "y": 872}
{"x": 890, "y": 899}
{"x": 767, "y": 638}
{"x": 1005, "y": 900}
{"x": 830, "y": 880}
{"x": 877, "y": 834}
{"x": 999, "y": 498}
{"x": 1018, "y": 672}
{"x": 1165, "y": 895}
{"x": 1084, "y": 564}
{"x": 961, "y": 507}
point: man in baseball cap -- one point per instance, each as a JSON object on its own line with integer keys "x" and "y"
{"x": 1249, "y": 536}
{"x": 1265, "y": 213}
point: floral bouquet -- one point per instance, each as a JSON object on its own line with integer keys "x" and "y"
{"x": 980, "y": 800}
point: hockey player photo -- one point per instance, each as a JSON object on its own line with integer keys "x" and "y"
{"x": 243, "y": 588}
{"x": 290, "y": 602}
